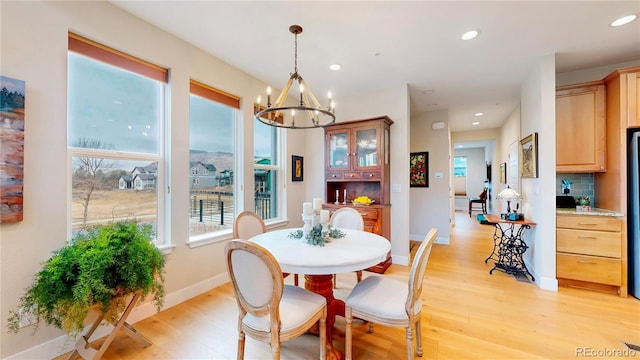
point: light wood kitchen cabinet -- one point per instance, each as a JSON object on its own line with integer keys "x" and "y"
{"x": 591, "y": 253}
{"x": 580, "y": 128}
{"x": 623, "y": 111}
{"x": 357, "y": 163}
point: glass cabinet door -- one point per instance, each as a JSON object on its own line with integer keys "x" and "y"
{"x": 339, "y": 150}
{"x": 366, "y": 142}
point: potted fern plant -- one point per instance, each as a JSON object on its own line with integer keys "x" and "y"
{"x": 100, "y": 268}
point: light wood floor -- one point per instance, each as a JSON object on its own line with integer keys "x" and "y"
{"x": 467, "y": 314}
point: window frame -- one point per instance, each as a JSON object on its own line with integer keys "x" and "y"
{"x": 101, "y": 53}
{"x": 210, "y": 93}
{"x": 280, "y": 171}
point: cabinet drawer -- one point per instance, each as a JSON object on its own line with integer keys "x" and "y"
{"x": 371, "y": 175}
{"x": 586, "y": 222}
{"x": 352, "y": 176}
{"x": 599, "y": 243}
{"x": 368, "y": 213}
{"x": 334, "y": 176}
{"x": 589, "y": 268}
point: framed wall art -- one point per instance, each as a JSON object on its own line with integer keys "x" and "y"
{"x": 419, "y": 169}
{"x": 297, "y": 168}
{"x": 529, "y": 156}
{"x": 11, "y": 148}
{"x": 503, "y": 173}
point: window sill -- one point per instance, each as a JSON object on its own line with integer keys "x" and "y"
{"x": 206, "y": 239}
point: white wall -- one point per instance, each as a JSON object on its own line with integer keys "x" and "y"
{"x": 34, "y": 49}
{"x": 430, "y": 206}
{"x": 509, "y": 137}
{"x": 538, "y": 203}
{"x": 590, "y": 74}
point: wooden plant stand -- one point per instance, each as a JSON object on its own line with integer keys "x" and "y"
{"x": 86, "y": 351}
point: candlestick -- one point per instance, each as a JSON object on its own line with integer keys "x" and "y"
{"x": 306, "y": 208}
{"x": 344, "y": 199}
{"x": 337, "y": 197}
{"x": 317, "y": 204}
{"x": 324, "y": 216}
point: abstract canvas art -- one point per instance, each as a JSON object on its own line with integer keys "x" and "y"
{"x": 12, "y": 93}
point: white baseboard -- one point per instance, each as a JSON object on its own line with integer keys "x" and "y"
{"x": 64, "y": 344}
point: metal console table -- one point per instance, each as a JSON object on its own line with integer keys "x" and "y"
{"x": 509, "y": 245}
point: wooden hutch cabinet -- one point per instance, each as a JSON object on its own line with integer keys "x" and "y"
{"x": 357, "y": 163}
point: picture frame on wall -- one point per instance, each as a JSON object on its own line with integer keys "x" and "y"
{"x": 503, "y": 173}
{"x": 419, "y": 169}
{"x": 12, "y": 134}
{"x": 529, "y": 156}
{"x": 297, "y": 168}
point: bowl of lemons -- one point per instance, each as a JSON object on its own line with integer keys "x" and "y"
{"x": 363, "y": 200}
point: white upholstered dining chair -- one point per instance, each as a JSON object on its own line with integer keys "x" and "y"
{"x": 347, "y": 218}
{"x": 247, "y": 225}
{"x": 269, "y": 310}
{"x": 391, "y": 302}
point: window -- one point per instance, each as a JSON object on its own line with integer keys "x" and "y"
{"x": 460, "y": 166}
{"x": 460, "y": 175}
{"x": 115, "y": 137}
{"x": 266, "y": 170}
{"x": 212, "y": 129}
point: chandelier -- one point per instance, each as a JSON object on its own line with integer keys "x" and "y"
{"x": 308, "y": 113}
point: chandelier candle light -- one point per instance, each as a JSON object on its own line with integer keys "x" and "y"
{"x": 308, "y": 113}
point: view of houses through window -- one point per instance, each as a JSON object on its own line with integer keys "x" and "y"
{"x": 266, "y": 170}
{"x": 115, "y": 125}
{"x": 212, "y": 134}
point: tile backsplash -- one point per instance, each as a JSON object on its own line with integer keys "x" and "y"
{"x": 581, "y": 185}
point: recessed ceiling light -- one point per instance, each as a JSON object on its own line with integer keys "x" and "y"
{"x": 475, "y": 123}
{"x": 623, "y": 20}
{"x": 479, "y": 114}
{"x": 469, "y": 35}
{"x": 335, "y": 67}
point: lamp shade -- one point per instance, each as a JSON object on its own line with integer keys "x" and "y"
{"x": 508, "y": 194}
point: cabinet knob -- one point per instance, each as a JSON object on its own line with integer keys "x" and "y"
{"x": 370, "y": 175}
{"x": 351, "y": 175}
{"x": 334, "y": 175}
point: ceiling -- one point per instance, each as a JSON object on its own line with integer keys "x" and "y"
{"x": 382, "y": 44}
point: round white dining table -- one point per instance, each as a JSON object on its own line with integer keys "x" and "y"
{"x": 357, "y": 250}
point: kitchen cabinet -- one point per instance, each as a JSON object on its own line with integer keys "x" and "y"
{"x": 591, "y": 252}
{"x": 623, "y": 111}
{"x": 580, "y": 128}
{"x": 357, "y": 163}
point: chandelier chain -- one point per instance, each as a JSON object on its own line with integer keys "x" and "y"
{"x": 295, "y": 57}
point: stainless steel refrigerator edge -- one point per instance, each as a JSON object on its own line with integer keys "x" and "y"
{"x": 633, "y": 211}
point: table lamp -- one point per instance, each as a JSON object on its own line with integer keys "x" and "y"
{"x": 508, "y": 194}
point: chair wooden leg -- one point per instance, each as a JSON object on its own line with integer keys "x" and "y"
{"x": 323, "y": 336}
{"x": 240, "y": 341}
{"x": 410, "y": 342}
{"x": 295, "y": 279}
{"x": 359, "y": 275}
{"x": 335, "y": 282}
{"x": 347, "y": 335}
{"x": 418, "y": 338}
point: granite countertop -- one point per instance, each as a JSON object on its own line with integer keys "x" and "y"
{"x": 592, "y": 212}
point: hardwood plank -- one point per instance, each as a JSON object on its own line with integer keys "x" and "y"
{"x": 467, "y": 314}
